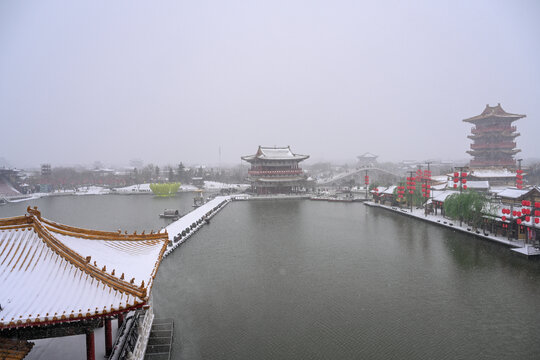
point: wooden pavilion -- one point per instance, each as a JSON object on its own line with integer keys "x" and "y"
{"x": 58, "y": 280}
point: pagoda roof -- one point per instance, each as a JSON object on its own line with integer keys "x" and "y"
{"x": 275, "y": 153}
{"x": 279, "y": 179}
{"x": 52, "y": 273}
{"x": 367, "y": 155}
{"x": 494, "y": 112}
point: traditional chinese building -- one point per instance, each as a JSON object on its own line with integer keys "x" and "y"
{"x": 275, "y": 170}
{"x": 59, "y": 280}
{"x": 493, "y": 138}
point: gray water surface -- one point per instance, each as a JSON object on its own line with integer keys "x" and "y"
{"x": 316, "y": 280}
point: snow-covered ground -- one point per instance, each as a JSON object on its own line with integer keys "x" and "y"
{"x": 208, "y": 185}
{"x": 516, "y": 245}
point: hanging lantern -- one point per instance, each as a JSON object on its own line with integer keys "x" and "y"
{"x": 518, "y": 221}
{"x": 503, "y": 218}
{"x": 536, "y": 212}
{"x": 537, "y": 220}
{"x": 514, "y": 213}
{"x": 537, "y": 204}
{"x": 456, "y": 179}
{"x": 463, "y": 174}
{"x": 527, "y": 218}
{"x": 456, "y": 174}
{"x": 455, "y": 186}
{"x": 464, "y": 187}
{"x": 463, "y": 181}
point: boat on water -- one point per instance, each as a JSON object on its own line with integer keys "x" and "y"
{"x": 170, "y": 214}
{"x": 198, "y": 200}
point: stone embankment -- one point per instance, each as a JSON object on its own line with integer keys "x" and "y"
{"x": 516, "y": 245}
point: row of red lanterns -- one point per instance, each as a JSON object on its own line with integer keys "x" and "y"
{"x": 529, "y": 203}
{"x": 366, "y": 180}
{"x": 400, "y": 191}
{"x": 519, "y": 179}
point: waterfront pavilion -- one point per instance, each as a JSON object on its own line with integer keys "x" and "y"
{"x": 59, "y": 280}
{"x": 275, "y": 170}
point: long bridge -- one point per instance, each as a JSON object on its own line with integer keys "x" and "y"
{"x": 344, "y": 175}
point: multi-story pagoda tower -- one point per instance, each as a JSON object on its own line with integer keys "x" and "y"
{"x": 275, "y": 170}
{"x": 493, "y": 138}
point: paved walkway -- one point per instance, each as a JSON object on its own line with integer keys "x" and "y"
{"x": 180, "y": 230}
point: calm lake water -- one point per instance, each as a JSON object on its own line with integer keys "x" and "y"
{"x": 315, "y": 280}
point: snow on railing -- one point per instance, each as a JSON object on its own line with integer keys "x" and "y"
{"x": 144, "y": 333}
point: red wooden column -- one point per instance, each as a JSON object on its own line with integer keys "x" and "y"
{"x": 90, "y": 345}
{"x": 120, "y": 320}
{"x": 108, "y": 337}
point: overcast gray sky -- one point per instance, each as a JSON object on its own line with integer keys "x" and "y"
{"x": 171, "y": 81}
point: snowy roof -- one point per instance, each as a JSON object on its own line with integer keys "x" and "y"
{"x": 514, "y": 193}
{"x": 441, "y": 196}
{"x": 275, "y": 153}
{"x": 389, "y": 190}
{"x": 493, "y": 112}
{"x": 367, "y": 155}
{"x": 51, "y": 273}
{"x": 472, "y": 184}
{"x": 496, "y": 173}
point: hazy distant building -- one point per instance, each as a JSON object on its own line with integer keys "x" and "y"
{"x": 493, "y": 138}
{"x": 275, "y": 170}
{"x": 367, "y": 159}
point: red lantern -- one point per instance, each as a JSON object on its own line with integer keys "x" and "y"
{"x": 527, "y": 218}
{"x": 455, "y": 186}
{"x": 503, "y": 218}
{"x": 537, "y": 204}
{"x": 456, "y": 174}
{"x": 463, "y": 181}
{"x": 456, "y": 179}
{"x": 464, "y": 187}
{"x": 463, "y": 174}
{"x": 537, "y": 220}
{"x": 518, "y": 214}
{"x": 536, "y": 212}
{"x": 518, "y": 221}
{"x": 524, "y": 202}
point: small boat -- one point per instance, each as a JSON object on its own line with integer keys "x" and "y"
{"x": 170, "y": 214}
{"x": 198, "y": 200}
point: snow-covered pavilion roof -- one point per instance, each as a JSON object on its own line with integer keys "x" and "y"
{"x": 51, "y": 273}
{"x": 275, "y": 153}
{"x": 442, "y": 195}
{"x": 493, "y": 112}
{"x": 515, "y": 193}
{"x": 492, "y": 173}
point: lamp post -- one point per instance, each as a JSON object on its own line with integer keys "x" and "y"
{"x": 519, "y": 175}
{"x": 366, "y": 183}
{"x": 411, "y": 186}
{"x": 461, "y": 179}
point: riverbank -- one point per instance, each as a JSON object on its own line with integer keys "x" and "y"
{"x": 516, "y": 245}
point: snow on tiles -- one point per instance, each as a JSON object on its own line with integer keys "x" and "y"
{"x": 57, "y": 273}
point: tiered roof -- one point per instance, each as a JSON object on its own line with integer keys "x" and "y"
{"x": 275, "y": 153}
{"x": 494, "y": 112}
{"x": 53, "y": 273}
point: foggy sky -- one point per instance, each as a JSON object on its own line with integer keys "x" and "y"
{"x": 171, "y": 81}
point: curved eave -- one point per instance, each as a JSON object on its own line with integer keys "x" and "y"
{"x": 296, "y": 157}
{"x": 490, "y": 151}
{"x": 489, "y": 135}
{"x": 480, "y": 118}
{"x": 45, "y": 321}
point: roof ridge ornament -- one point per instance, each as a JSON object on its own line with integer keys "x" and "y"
{"x": 34, "y": 211}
